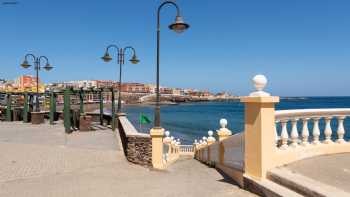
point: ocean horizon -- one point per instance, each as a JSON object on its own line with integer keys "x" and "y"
{"x": 190, "y": 121}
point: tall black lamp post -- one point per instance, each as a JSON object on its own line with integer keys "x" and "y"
{"x": 37, "y": 66}
{"x": 120, "y": 59}
{"x": 178, "y": 26}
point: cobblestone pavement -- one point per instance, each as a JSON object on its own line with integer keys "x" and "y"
{"x": 36, "y": 162}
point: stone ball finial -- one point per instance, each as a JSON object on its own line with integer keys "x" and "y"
{"x": 260, "y": 82}
{"x": 204, "y": 138}
{"x": 210, "y": 133}
{"x": 223, "y": 123}
{"x": 196, "y": 141}
{"x": 172, "y": 137}
{"x": 167, "y": 133}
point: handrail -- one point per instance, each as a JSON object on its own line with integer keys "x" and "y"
{"x": 294, "y": 136}
{"x": 300, "y": 113}
{"x": 186, "y": 148}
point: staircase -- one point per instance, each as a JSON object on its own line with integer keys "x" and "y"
{"x": 284, "y": 182}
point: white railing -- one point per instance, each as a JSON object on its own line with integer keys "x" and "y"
{"x": 294, "y": 136}
{"x": 170, "y": 152}
{"x": 186, "y": 150}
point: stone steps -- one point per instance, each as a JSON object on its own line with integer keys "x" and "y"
{"x": 302, "y": 185}
{"x": 268, "y": 188}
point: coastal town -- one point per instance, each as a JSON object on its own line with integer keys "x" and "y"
{"x": 251, "y": 101}
{"x": 132, "y": 93}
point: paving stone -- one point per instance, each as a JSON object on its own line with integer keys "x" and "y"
{"x": 42, "y": 161}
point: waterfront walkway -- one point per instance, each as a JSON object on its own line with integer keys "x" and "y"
{"x": 42, "y": 161}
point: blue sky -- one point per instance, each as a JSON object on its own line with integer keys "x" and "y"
{"x": 303, "y": 47}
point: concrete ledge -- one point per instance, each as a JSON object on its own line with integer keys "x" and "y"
{"x": 258, "y": 99}
{"x": 267, "y": 188}
{"x": 302, "y": 184}
{"x": 282, "y": 157}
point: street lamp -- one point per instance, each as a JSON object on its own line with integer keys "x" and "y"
{"x": 120, "y": 59}
{"x": 178, "y": 26}
{"x": 37, "y": 66}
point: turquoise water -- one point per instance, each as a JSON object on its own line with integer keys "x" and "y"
{"x": 193, "y": 120}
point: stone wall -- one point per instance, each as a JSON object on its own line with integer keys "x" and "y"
{"x": 139, "y": 150}
{"x": 137, "y": 146}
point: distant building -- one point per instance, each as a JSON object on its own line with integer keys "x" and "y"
{"x": 25, "y": 81}
{"x": 164, "y": 90}
{"x": 178, "y": 91}
{"x": 2, "y": 84}
{"x": 103, "y": 83}
{"x": 223, "y": 95}
{"x": 135, "y": 88}
{"x": 152, "y": 88}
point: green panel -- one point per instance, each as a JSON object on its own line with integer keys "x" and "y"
{"x": 113, "y": 111}
{"x": 25, "y": 108}
{"x": 8, "y": 108}
{"x": 67, "y": 111}
{"x": 52, "y": 107}
{"x": 101, "y": 108}
{"x": 81, "y": 96}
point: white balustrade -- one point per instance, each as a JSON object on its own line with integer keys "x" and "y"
{"x": 284, "y": 134}
{"x": 305, "y": 133}
{"x": 186, "y": 149}
{"x": 294, "y": 134}
{"x": 294, "y": 138}
{"x": 316, "y": 131}
{"x": 341, "y": 130}
{"x": 276, "y": 135}
{"x": 328, "y": 131}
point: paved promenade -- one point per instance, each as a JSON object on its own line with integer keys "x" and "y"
{"x": 42, "y": 161}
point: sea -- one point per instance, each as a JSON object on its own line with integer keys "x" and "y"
{"x": 190, "y": 121}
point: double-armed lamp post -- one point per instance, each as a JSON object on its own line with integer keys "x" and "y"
{"x": 121, "y": 62}
{"x": 178, "y": 26}
{"x": 37, "y": 60}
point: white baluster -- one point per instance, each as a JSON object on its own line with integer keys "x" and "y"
{"x": 284, "y": 134}
{"x": 328, "y": 130}
{"x": 276, "y": 134}
{"x": 341, "y": 130}
{"x": 294, "y": 133}
{"x": 305, "y": 132}
{"x": 316, "y": 131}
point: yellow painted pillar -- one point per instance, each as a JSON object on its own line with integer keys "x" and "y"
{"x": 157, "y": 147}
{"x": 259, "y": 133}
{"x": 223, "y": 133}
{"x": 211, "y": 140}
{"x": 221, "y": 153}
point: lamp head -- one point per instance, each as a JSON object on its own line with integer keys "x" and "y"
{"x": 179, "y": 26}
{"x": 106, "y": 57}
{"x": 134, "y": 59}
{"x": 25, "y": 64}
{"x": 48, "y": 67}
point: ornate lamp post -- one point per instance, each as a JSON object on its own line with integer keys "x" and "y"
{"x": 120, "y": 59}
{"x": 157, "y": 132}
{"x": 37, "y": 66}
{"x": 178, "y": 26}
